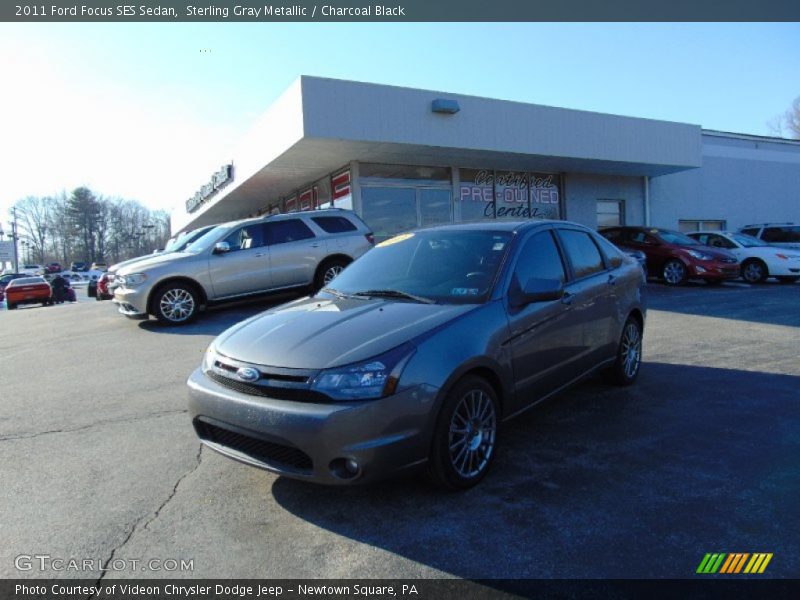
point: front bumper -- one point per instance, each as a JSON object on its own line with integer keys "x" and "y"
{"x": 131, "y": 302}
{"x": 712, "y": 270}
{"x": 311, "y": 441}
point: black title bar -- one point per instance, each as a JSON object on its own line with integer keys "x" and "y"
{"x": 398, "y": 11}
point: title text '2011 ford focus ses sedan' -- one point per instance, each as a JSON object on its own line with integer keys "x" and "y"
{"x": 415, "y": 353}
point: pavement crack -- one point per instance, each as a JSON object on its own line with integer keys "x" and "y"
{"x": 35, "y": 434}
{"x": 155, "y": 515}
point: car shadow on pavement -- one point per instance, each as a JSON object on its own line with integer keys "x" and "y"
{"x": 600, "y": 482}
{"x": 771, "y": 303}
{"x": 217, "y": 319}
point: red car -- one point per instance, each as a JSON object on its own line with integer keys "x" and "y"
{"x": 28, "y": 290}
{"x": 675, "y": 257}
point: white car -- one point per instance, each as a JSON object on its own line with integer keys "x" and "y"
{"x": 758, "y": 260}
{"x": 32, "y": 270}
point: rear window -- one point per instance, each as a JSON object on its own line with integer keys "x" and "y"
{"x": 26, "y": 281}
{"x": 582, "y": 252}
{"x": 334, "y": 224}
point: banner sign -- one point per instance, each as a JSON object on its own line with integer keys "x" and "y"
{"x": 218, "y": 180}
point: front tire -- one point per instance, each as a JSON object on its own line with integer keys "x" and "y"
{"x": 175, "y": 303}
{"x": 754, "y": 271}
{"x": 328, "y": 271}
{"x": 465, "y": 438}
{"x": 674, "y": 272}
{"x": 625, "y": 369}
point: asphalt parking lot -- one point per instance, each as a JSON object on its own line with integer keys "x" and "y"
{"x": 701, "y": 455}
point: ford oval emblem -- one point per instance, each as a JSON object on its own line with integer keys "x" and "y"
{"x": 248, "y": 374}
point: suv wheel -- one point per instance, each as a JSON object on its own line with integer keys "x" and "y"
{"x": 754, "y": 271}
{"x": 328, "y": 271}
{"x": 465, "y": 439}
{"x": 674, "y": 272}
{"x": 175, "y": 303}
{"x": 629, "y": 354}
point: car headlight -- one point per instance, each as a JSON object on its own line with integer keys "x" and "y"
{"x": 133, "y": 279}
{"x": 374, "y": 378}
{"x": 699, "y": 255}
{"x": 209, "y": 358}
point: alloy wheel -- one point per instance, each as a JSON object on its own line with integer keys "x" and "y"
{"x": 753, "y": 272}
{"x": 177, "y": 305}
{"x": 631, "y": 350}
{"x": 674, "y": 272}
{"x": 331, "y": 273}
{"x": 473, "y": 432}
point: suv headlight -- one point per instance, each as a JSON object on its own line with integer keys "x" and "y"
{"x": 699, "y": 255}
{"x": 132, "y": 280}
{"x": 374, "y": 378}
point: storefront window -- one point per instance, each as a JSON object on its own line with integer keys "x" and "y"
{"x": 545, "y": 199}
{"x": 610, "y": 213}
{"x": 389, "y": 210}
{"x": 511, "y": 189}
{"x": 434, "y": 206}
{"x": 476, "y": 195}
{"x": 402, "y": 173}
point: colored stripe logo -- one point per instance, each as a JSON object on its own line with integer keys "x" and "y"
{"x": 732, "y": 563}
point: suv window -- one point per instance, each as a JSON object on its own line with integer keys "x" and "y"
{"x": 781, "y": 234}
{"x": 751, "y": 231}
{"x": 334, "y": 224}
{"x": 582, "y": 252}
{"x": 290, "y": 230}
{"x": 539, "y": 258}
{"x": 247, "y": 237}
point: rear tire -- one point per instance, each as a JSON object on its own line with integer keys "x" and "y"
{"x": 625, "y": 369}
{"x": 327, "y": 271}
{"x": 674, "y": 272}
{"x": 465, "y": 438}
{"x": 11, "y": 306}
{"x": 176, "y": 303}
{"x": 754, "y": 271}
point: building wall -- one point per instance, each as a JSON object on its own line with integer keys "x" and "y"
{"x": 582, "y": 191}
{"x": 744, "y": 179}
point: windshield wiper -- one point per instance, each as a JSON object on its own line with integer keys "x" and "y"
{"x": 334, "y": 292}
{"x": 395, "y": 294}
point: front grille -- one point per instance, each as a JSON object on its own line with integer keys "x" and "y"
{"x": 276, "y": 455}
{"x": 279, "y": 393}
{"x": 273, "y": 376}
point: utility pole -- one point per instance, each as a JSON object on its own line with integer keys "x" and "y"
{"x": 14, "y": 238}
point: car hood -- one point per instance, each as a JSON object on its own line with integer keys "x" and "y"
{"x": 715, "y": 252}
{"x": 117, "y": 266}
{"x": 152, "y": 261}
{"x": 315, "y": 333}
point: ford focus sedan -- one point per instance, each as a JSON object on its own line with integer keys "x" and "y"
{"x": 412, "y": 357}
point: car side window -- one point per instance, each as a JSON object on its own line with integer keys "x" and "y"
{"x": 247, "y": 237}
{"x": 751, "y": 231}
{"x": 582, "y": 252}
{"x": 612, "y": 235}
{"x": 718, "y": 241}
{"x": 640, "y": 237}
{"x": 781, "y": 234}
{"x": 540, "y": 259}
{"x": 290, "y": 230}
{"x": 334, "y": 224}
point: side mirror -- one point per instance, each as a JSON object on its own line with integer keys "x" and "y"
{"x": 615, "y": 261}
{"x": 222, "y": 247}
{"x": 538, "y": 290}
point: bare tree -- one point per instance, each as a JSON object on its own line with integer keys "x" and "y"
{"x": 33, "y": 215}
{"x": 787, "y": 124}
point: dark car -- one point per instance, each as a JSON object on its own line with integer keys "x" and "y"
{"x": 79, "y": 267}
{"x": 53, "y": 267}
{"x": 675, "y": 257}
{"x": 414, "y": 354}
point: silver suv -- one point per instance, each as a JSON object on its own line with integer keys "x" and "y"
{"x": 243, "y": 258}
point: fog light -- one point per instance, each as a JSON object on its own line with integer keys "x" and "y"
{"x": 345, "y": 468}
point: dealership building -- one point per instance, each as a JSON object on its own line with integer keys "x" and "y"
{"x": 405, "y": 158}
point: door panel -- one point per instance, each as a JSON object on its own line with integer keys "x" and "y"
{"x": 294, "y": 252}
{"x": 245, "y": 268}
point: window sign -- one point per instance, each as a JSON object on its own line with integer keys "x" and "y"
{"x": 486, "y": 194}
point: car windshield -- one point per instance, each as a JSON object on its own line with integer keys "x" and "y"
{"x": 205, "y": 241}
{"x": 748, "y": 241}
{"x": 673, "y": 237}
{"x": 449, "y": 266}
{"x": 183, "y": 240}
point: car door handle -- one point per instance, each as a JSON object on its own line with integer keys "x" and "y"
{"x": 612, "y": 280}
{"x": 567, "y": 298}
{"x": 315, "y": 245}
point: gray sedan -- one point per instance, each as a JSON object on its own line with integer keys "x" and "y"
{"x": 413, "y": 356}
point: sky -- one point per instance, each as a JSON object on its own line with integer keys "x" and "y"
{"x": 149, "y": 111}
